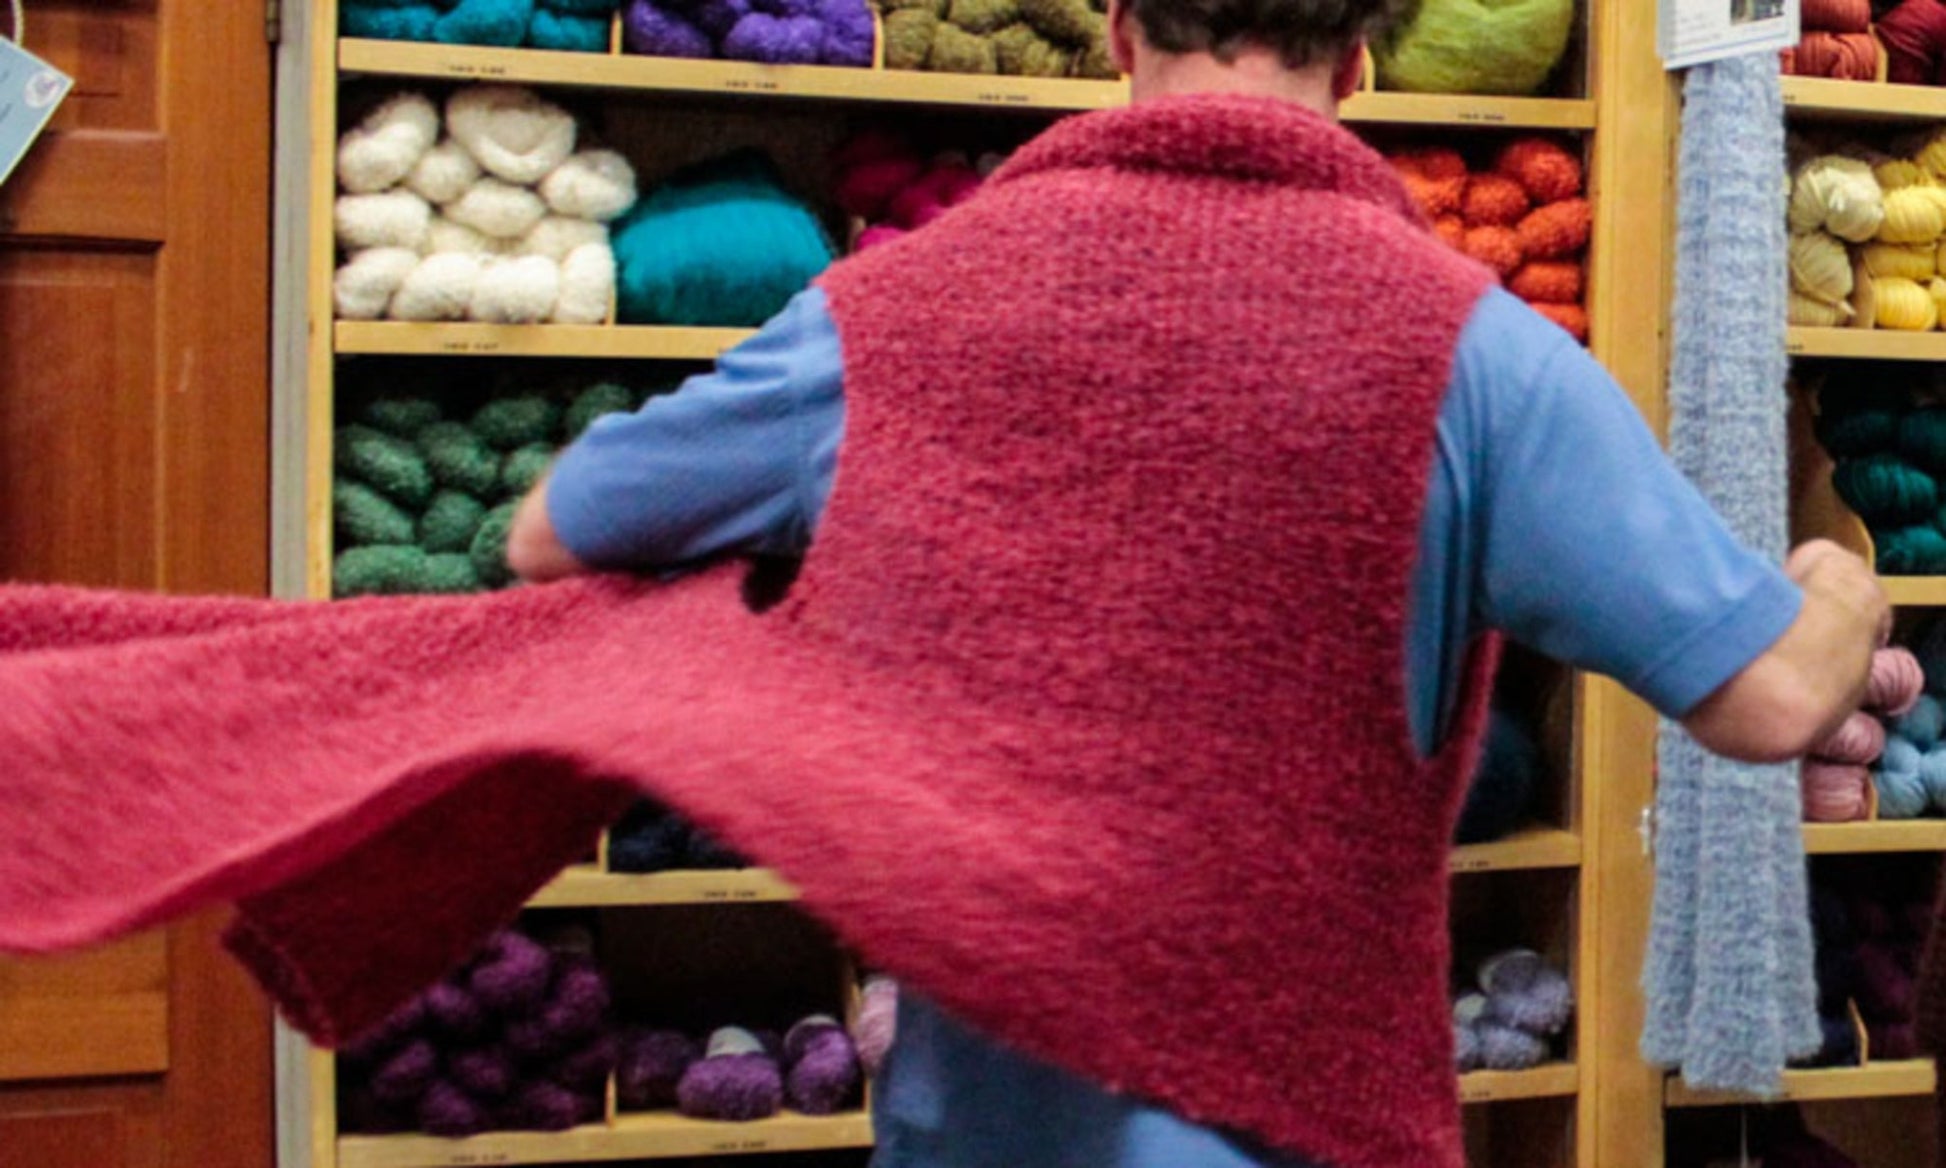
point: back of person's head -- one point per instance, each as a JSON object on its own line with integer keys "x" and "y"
{"x": 1302, "y": 32}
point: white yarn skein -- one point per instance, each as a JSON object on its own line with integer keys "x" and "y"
{"x": 497, "y": 209}
{"x": 363, "y": 288}
{"x": 511, "y": 131}
{"x": 391, "y": 219}
{"x": 557, "y": 235}
{"x": 587, "y": 285}
{"x": 516, "y": 290}
{"x": 594, "y": 184}
{"x": 381, "y": 150}
{"x": 441, "y": 287}
{"x": 444, "y": 173}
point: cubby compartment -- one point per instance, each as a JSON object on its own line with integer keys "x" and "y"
{"x": 1521, "y": 1133}
{"x": 1516, "y": 936}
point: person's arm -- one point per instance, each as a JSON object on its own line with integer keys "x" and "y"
{"x": 738, "y": 460}
{"x": 1798, "y": 690}
{"x": 1592, "y": 548}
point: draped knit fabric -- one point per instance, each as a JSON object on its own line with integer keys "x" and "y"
{"x": 1086, "y": 715}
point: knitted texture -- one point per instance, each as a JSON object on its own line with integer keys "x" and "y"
{"x": 1041, "y": 714}
{"x": 1731, "y": 991}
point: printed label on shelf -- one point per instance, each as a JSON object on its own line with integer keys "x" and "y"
{"x": 30, "y": 91}
{"x": 1692, "y": 32}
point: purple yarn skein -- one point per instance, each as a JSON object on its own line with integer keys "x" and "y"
{"x": 651, "y": 31}
{"x": 404, "y": 1077}
{"x": 574, "y": 1012}
{"x": 735, "y": 1080}
{"x": 543, "y": 1106}
{"x": 588, "y": 1068}
{"x": 390, "y": 1033}
{"x": 448, "y": 1111}
{"x": 456, "y": 1012}
{"x": 848, "y": 33}
{"x": 824, "y": 1074}
{"x": 652, "y": 1064}
{"x": 513, "y": 973}
{"x": 775, "y": 40}
{"x": 486, "y": 1072}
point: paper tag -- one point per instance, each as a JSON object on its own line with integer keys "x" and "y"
{"x": 1691, "y": 32}
{"x": 30, "y": 91}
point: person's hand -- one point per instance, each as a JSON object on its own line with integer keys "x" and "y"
{"x": 1832, "y": 571}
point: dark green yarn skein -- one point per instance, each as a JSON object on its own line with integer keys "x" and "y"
{"x": 593, "y": 402}
{"x": 391, "y": 465}
{"x": 1911, "y": 551}
{"x": 376, "y": 571}
{"x": 459, "y": 459}
{"x": 1885, "y": 490}
{"x": 524, "y": 468}
{"x": 509, "y": 423}
{"x": 1922, "y": 437}
{"x": 1848, "y": 435}
{"x": 403, "y": 417}
{"x": 489, "y": 550}
{"x": 451, "y": 572}
{"x": 450, "y": 522}
{"x": 360, "y": 515}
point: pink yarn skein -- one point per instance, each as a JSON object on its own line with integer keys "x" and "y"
{"x": 1896, "y": 682}
{"x": 1858, "y": 740}
{"x": 1834, "y": 792}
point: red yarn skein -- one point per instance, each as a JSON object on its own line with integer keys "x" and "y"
{"x": 1914, "y": 35}
{"x": 1844, "y": 56}
{"x": 1836, "y": 15}
{"x": 1496, "y": 247}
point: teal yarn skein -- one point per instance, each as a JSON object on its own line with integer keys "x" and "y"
{"x": 722, "y": 243}
{"x": 1886, "y": 490}
{"x": 1911, "y": 551}
{"x": 1851, "y": 434}
{"x": 1901, "y": 792}
{"x": 1922, "y": 438}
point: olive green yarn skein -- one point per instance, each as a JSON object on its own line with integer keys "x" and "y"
{"x": 1507, "y": 47}
{"x": 1095, "y": 62}
{"x": 1070, "y": 22}
{"x": 1922, "y": 438}
{"x": 459, "y": 460}
{"x": 983, "y": 17}
{"x": 390, "y": 465}
{"x": 1885, "y": 490}
{"x": 1848, "y": 435}
{"x": 450, "y": 522}
{"x": 377, "y": 571}
{"x": 489, "y": 550}
{"x": 936, "y": 7}
{"x": 1025, "y": 53}
{"x": 360, "y": 515}
{"x": 509, "y": 423}
{"x": 594, "y": 402}
{"x": 524, "y": 468}
{"x": 954, "y": 50}
{"x": 402, "y": 417}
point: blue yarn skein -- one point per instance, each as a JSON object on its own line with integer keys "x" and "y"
{"x": 1506, "y": 1048}
{"x": 567, "y": 32}
{"x": 719, "y": 244}
{"x": 1503, "y": 782}
{"x": 1901, "y": 792}
{"x": 485, "y": 22}
{"x": 1923, "y": 724}
{"x": 409, "y": 23}
{"x": 590, "y": 8}
{"x": 1932, "y": 776}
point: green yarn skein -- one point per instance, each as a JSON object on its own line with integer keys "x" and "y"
{"x": 908, "y": 34}
{"x": 593, "y": 402}
{"x": 1922, "y": 438}
{"x": 459, "y": 459}
{"x": 360, "y": 515}
{"x": 402, "y": 417}
{"x": 377, "y": 571}
{"x": 1885, "y": 490}
{"x": 1477, "y": 46}
{"x": 391, "y": 465}
{"x": 1911, "y": 551}
{"x": 508, "y": 423}
{"x": 1071, "y": 22}
{"x": 489, "y": 550}
{"x": 524, "y": 468}
{"x": 1023, "y": 52}
{"x": 1848, "y": 435}
{"x": 983, "y": 16}
{"x": 954, "y": 50}
{"x": 447, "y": 573}
{"x": 450, "y": 522}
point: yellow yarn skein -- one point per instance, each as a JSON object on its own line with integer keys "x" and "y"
{"x": 1820, "y": 268}
{"x": 1837, "y": 194}
{"x": 1817, "y": 314}
{"x": 1932, "y": 155}
{"x": 1904, "y": 304}
{"x": 1914, "y": 261}
{"x": 1936, "y": 288}
{"x": 1914, "y": 214}
{"x": 1895, "y": 174}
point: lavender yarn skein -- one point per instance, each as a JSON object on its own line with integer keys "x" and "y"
{"x": 650, "y": 31}
{"x": 775, "y": 40}
{"x": 849, "y": 36}
{"x": 513, "y": 974}
{"x": 734, "y": 1081}
{"x": 1523, "y": 992}
{"x": 1466, "y": 1047}
{"x": 877, "y": 1023}
{"x": 1505, "y": 1048}
{"x": 652, "y": 1064}
{"x": 824, "y": 1071}
{"x": 448, "y": 1111}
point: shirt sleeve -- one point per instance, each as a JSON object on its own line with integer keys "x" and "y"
{"x": 1594, "y": 549}
{"x": 739, "y": 459}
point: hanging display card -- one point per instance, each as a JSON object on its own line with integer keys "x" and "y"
{"x": 30, "y": 90}
{"x": 1691, "y": 32}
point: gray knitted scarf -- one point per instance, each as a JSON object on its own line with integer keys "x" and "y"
{"x": 1731, "y": 989}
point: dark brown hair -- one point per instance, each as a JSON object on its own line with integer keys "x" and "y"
{"x": 1302, "y": 32}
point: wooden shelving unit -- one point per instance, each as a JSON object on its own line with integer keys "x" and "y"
{"x": 648, "y": 342}
{"x": 1539, "y": 847}
{"x": 1823, "y": 99}
{"x": 1871, "y": 1081}
{"x": 629, "y": 1137}
{"x": 589, "y": 887}
{"x": 1548, "y": 1081}
{"x": 1870, "y": 344}
{"x": 1878, "y": 835}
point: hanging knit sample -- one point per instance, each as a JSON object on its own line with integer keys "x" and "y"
{"x": 1731, "y": 991}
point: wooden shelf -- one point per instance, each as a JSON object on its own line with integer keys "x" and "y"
{"x": 538, "y": 340}
{"x": 1880, "y": 344}
{"x": 1535, "y": 847}
{"x": 1548, "y": 1081}
{"x": 1879, "y": 835}
{"x": 589, "y": 887}
{"x": 630, "y": 1137}
{"x": 737, "y": 78}
{"x": 892, "y": 87}
{"x": 1915, "y": 591}
{"x": 1871, "y": 1081}
{"x": 1865, "y": 101}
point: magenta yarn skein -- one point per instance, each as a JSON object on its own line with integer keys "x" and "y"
{"x": 399, "y": 1026}
{"x": 539, "y": 1105}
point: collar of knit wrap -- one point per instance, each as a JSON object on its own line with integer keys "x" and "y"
{"x": 1085, "y": 716}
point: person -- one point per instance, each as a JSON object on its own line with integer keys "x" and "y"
{"x": 1548, "y": 513}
